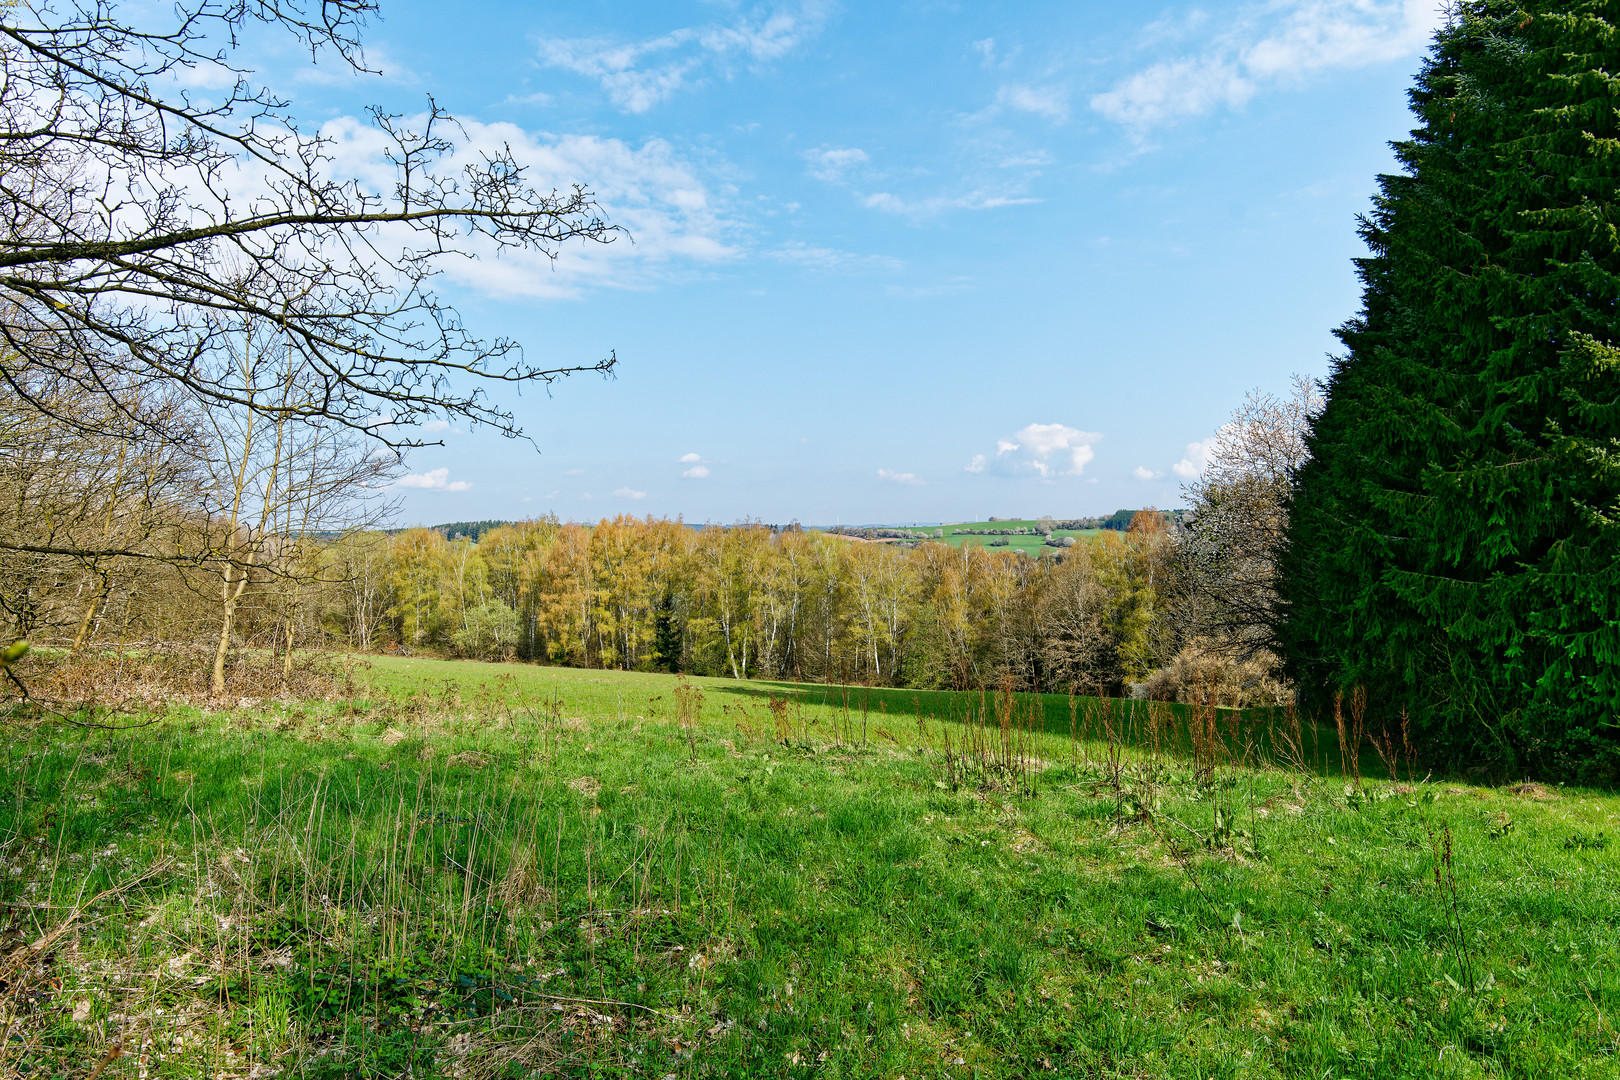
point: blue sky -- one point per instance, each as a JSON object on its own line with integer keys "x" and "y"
{"x": 921, "y": 261}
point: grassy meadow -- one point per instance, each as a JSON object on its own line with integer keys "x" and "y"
{"x": 482, "y": 870}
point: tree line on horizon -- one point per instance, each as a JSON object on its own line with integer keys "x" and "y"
{"x": 743, "y": 601}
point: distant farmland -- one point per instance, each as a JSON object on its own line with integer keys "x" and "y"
{"x": 1030, "y": 542}
{"x": 1004, "y": 535}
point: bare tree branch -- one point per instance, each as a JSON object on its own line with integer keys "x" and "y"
{"x": 132, "y": 216}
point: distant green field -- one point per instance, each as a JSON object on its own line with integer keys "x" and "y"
{"x": 1029, "y": 544}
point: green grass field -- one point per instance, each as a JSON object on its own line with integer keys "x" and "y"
{"x": 1030, "y": 545}
{"x": 478, "y": 870}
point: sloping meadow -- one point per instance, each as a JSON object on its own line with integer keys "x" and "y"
{"x": 480, "y": 870}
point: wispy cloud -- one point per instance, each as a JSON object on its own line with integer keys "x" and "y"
{"x": 538, "y": 99}
{"x": 1047, "y": 101}
{"x": 696, "y": 472}
{"x": 932, "y": 205}
{"x": 1028, "y": 159}
{"x": 1044, "y": 451}
{"x": 638, "y": 75}
{"x": 908, "y": 479}
{"x": 1278, "y": 44}
{"x": 827, "y": 259}
{"x": 832, "y": 163}
{"x": 434, "y": 480}
{"x": 629, "y": 493}
{"x": 378, "y": 58}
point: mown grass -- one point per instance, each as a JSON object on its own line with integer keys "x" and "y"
{"x": 482, "y": 870}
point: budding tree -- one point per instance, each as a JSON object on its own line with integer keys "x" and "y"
{"x": 1239, "y": 518}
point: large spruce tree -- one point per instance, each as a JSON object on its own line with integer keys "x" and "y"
{"x": 1454, "y": 541}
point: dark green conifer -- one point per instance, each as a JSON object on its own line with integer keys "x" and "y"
{"x": 666, "y": 636}
{"x": 1455, "y": 539}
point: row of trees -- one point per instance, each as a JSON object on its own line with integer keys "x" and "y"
{"x": 645, "y": 594}
{"x": 749, "y": 601}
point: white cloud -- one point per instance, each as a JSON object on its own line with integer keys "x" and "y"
{"x": 1193, "y": 461}
{"x": 831, "y": 163}
{"x": 986, "y": 48}
{"x": 669, "y": 216}
{"x": 1042, "y": 101}
{"x": 629, "y": 493}
{"x": 699, "y": 466}
{"x": 909, "y": 479}
{"x": 1142, "y": 472}
{"x": 639, "y": 75}
{"x": 1278, "y": 44}
{"x": 1175, "y": 88}
{"x": 434, "y": 480}
{"x": 574, "y": 472}
{"x": 1046, "y": 451}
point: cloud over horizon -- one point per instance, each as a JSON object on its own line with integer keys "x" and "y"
{"x": 433, "y": 480}
{"x": 1045, "y": 451}
{"x": 1192, "y": 463}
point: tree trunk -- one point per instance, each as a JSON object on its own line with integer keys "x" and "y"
{"x": 230, "y": 597}
{"x": 90, "y": 613}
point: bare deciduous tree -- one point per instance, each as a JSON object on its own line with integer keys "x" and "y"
{"x": 122, "y": 195}
{"x": 276, "y": 482}
{"x": 84, "y": 505}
